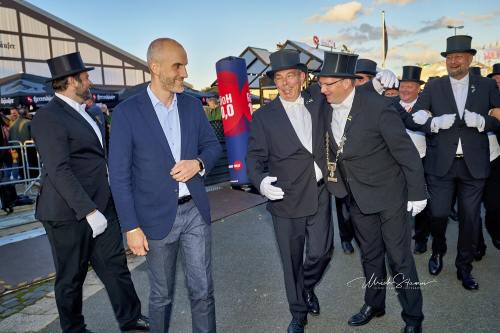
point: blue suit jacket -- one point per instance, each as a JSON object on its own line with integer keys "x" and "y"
{"x": 140, "y": 161}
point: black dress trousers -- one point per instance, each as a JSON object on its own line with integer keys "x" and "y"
{"x": 388, "y": 233}
{"x": 346, "y": 231}
{"x": 73, "y": 248}
{"x": 469, "y": 192}
{"x": 315, "y": 232}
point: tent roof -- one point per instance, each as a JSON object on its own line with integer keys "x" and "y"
{"x": 29, "y": 6}
{"x": 24, "y": 85}
{"x": 309, "y": 55}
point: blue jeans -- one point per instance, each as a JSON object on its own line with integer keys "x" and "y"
{"x": 192, "y": 235}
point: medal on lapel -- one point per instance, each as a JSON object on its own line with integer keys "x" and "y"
{"x": 332, "y": 166}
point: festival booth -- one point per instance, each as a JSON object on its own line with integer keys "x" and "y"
{"x": 33, "y": 91}
{"x": 29, "y": 90}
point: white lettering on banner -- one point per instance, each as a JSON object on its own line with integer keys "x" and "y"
{"x": 327, "y": 43}
{"x": 227, "y": 112}
{"x": 47, "y": 98}
{"x": 227, "y": 108}
{"x": 226, "y": 99}
{"x": 6, "y": 100}
{"x": 106, "y": 97}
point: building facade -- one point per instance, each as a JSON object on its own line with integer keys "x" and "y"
{"x": 29, "y": 36}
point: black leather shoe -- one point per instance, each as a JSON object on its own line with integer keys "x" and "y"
{"x": 296, "y": 326}
{"x": 312, "y": 302}
{"x": 347, "y": 247}
{"x": 435, "y": 264}
{"x": 140, "y": 325}
{"x": 496, "y": 243}
{"x": 468, "y": 281}
{"x": 420, "y": 247}
{"x": 412, "y": 329}
{"x": 364, "y": 316}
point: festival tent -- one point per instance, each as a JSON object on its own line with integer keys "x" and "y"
{"x": 24, "y": 89}
{"x": 34, "y": 91}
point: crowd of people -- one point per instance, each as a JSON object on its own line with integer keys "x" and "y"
{"x": 16, "y": 131}
{"x": 385, "y": 153}
{"x": 383, "y": 158}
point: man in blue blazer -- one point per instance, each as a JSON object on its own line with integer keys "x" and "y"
{"x": 161, "y": 147}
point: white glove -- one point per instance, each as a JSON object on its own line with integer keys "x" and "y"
{"x": 387, "y": 78}
{"x": 443, "y": 122}
{"x": 421, "y": 116}
{"x": 269, "y": 191}
{"x": 416, "y": 207}
{"x": 97, "y": 222}
{"x": 473, "y": 119}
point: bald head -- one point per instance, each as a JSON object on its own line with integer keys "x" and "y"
{"x": 167, "y": 61}
{"x": 160, "y": 46}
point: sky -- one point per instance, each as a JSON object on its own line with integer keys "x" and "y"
{"x": 212, "y": 30}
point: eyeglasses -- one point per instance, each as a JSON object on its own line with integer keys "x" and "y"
{"x": 329, "y": 84}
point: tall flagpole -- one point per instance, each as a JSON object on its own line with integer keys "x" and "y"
{"x": 383, "y": 39}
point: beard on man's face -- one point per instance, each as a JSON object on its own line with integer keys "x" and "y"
{"x": 171, "y": 84}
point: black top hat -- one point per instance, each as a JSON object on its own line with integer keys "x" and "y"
{"x": 366, "y": 66}
{"x": 337, "y": 64}
{"x": 66, "y": 65}
{"x": 496, "y": 70}
{"x": 285, "y": 59}
{"x": 459, "y": 43}
{"x": 475, "y": 71}
{"x": 412, "y": 73}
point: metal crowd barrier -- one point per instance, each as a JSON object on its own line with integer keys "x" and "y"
{"x": 27, "y": 171}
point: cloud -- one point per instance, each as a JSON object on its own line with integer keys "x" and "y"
{"x": 439, "y": 23}
{"x": 428, "y": 56}
{"x": 344, "y": 12}
{"x": 414, "y": 53}
{"x": 482, "y": 17}
{"x": 394, "y": 2}
{"x": 367, "y": 32}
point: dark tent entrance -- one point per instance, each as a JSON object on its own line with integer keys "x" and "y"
{"x": 25, "y": 89}
{"x": 33, "y": 91}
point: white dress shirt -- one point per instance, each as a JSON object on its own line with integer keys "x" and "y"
{"x": 80, "y": 108}
{"x": 418, "y": 138}
{"x": 339, "y": 117}
{"x": 302, "y": 124}
{"x": 460, "y": 89}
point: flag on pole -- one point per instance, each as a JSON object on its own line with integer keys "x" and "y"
{"x": 385, "y": 41}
